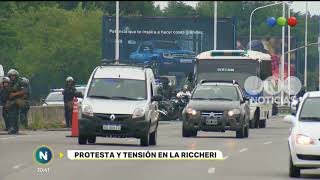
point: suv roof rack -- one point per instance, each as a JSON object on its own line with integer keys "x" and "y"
{"x": 219, "y": 81}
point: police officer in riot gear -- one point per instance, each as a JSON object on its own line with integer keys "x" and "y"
{"x": 4, "y": 96}
{"x": 25, "y": 105}
{"x": 189, "y": 81}
{"x": 14, "y": 102}
{"x": 69, "y": 93}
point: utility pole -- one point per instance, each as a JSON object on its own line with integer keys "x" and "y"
{"x": 282, "y": 57}
{"x": 215, "y": 25}
{"x": 306, "y": 49}
{"x": 117, "y": 34}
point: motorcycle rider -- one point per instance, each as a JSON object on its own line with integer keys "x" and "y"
{"x": 183, "y": 97}
{"x": 189, "y": 81}
{"x": 184, "y": 92}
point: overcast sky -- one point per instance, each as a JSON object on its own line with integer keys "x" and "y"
{"x": 313, "y": 6}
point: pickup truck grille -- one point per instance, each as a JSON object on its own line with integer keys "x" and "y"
{"x": 212, "y": 114}
{"x": 186, "y": 56}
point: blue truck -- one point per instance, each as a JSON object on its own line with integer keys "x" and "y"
{"x": 156, "y": 53}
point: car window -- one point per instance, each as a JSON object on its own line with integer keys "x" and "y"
{"x": 54, "y": 97}
{"x": 213, "y": 92}
{"x": 118, "y": 89}
{"x": 310, "y": 110}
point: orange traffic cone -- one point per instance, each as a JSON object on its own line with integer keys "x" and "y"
{"x": 75, "y": 127}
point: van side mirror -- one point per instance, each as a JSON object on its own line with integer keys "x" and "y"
{"x": 156, "y": 98}
{"x": 289, "y": 119}
{"x": 246, "y": 99}
{"x": 79, "y": 95}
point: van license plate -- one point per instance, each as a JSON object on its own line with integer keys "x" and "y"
{"x": 212, "y": 121}
{"x": 111, "y": 127}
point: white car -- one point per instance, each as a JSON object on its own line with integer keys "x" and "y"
{"x": 304, "y": 141}
{"x": 54, "y": 99}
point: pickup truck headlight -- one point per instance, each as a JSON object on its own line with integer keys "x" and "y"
{"x": 303, "y": 139}
{"x": 87, "y": 110}
{"x": 138, "y": 112}
{"x": 167, "y": 55}
{"x": 233, "y": 112}
{"x": 191, "y": 111}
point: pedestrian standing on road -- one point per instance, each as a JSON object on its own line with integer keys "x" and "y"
{"x": 69, "y": 93}
{"x": 14, "y": 102}
{"x": 25, "y": 105}
{"x": 4, "y": 96}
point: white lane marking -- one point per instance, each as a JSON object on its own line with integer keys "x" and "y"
{"x": 225, "y": 158}
{"x": 17, "y": 166}
{"x": 211, "y": 170}
{"x": 267, "y": 142}
{"x": 8, "y": 138}
{"x": 243, "y": 150}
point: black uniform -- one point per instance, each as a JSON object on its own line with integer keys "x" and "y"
{"x": 4, "y": 96}
{"x": 68, "y": 95}
{"x": 25, "y": 106}
{"x": 13, "y": 105}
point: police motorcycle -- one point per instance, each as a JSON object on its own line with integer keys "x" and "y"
{"x": 183, "y": 98}
{"x": 168, "y": 109}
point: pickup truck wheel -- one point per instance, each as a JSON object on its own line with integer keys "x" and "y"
{"x": 262, "y": 123}
{"x": 82, "y": 139}
{"x": 293, "y": 170}
{"x": 194, "y": 133}
{"x": 185, "y": 133}
{"x": 153, "y": 138}
{"x": 92, "y": 139}
{"x": 241, "y": 132}
{"x": 144, "y": 140}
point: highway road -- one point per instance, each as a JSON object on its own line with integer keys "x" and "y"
{"x": 264, "y": 155}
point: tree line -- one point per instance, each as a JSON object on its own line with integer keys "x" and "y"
{"x": 48, "y": 41}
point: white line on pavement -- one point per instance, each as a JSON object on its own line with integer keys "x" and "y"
{"x": 211, "y": 170}
{"x": 267, "y": 142}
{"x": 17, "y": 166}
{"x": 225, "y": 158}
{"x": 243, "y": 150}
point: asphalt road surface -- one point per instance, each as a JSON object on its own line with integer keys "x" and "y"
{"x": 264, "y": 155}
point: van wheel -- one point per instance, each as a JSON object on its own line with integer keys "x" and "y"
{"x": 153, "y": 138}
{"x": 144, "y": 140}
{"x": 92, "y": 139}
{"x": 82, "y": 139}
{"x": 293, "y": 171}
{"x": 251, "y": 124}
{"x": 256, "y": 119}
{"x": 246, "y": 131}
{"x": 262, "y": 123}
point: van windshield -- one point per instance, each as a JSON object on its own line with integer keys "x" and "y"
{"x": 126, "y": 89}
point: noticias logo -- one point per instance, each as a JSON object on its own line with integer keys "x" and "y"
{"x": 43, "y": 155}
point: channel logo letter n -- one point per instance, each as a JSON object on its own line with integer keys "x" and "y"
{"x": 43, "y": 155}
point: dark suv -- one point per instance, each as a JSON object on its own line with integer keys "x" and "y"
{"x": 217, "y": 106}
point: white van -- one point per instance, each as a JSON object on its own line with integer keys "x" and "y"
{"x": 120, "y": 101}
